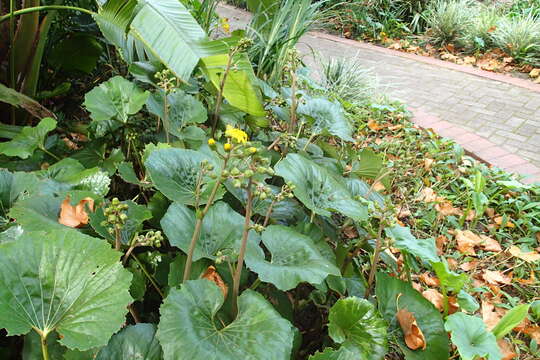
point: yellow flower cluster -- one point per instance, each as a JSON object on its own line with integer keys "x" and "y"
{"x": 236, "y": 134}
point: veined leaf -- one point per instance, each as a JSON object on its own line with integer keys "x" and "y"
{"x": 510, "y": 320}
{"x": 392, "y": 292}
{"x": 471, "y": 337}
{"x": 343, "y": 353}
{"x": 239, "y": 89}
{"x": 68, "y": 282}
{"x": 221, "y": 230}
{"x": 133, "y": 342}
{"x": 190, "y": 329}
{"x": 174, "y": 172}
{"x": 356, "y": 324}
{"x": 295, "y": 259}
{"x": 451, "y": 280}
{"x": 13, "y": 186}
{"x": 329, "y": 117}
{"x": 403, "y": 239}
{"x": 28, "y": 140}
{"x": 17, "y": 99}
{"x": 318, "y": 189}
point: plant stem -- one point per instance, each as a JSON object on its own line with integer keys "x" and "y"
{"x": 219, "y": 99}
{"x": 44, "y": 8}
{"x": 166, "y": 117}
{"x": 12, "y": 53}
{"x": 128, "y": 253}
{"x": 242, "y": 253}
{"x": 49, "y": 153}
{"x": 269, "y": 213}
{"x": 376, "y": 256}
{"x": 150, "y": 278}
{"x": 200, "y": 217}
{"x": 44, "y": 349}
{"x": 294, "y": 103}
{"x": 117, "y": 242}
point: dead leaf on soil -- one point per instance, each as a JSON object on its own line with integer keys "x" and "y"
{"x": 499, "y": 222}
{"x": 507, "y": 349}
{"x": 490, "y": 244}
{"x": 428, "y": 195}
{"x": 434, "y": 297}
{"x": 469, "y": 60}
{"x": 212, "y": 275}
{"x": 467, "y": 241}
{"x": 429, "y": 280}
{"x": 531, "y": 256}
{"x": 440, "y": 242}
{"x": 490, "y": 314}
{"x": 445, "y": 208}
{"x": 428, "y": 163}
{"x": 468, "y": 266}
{"x": 75, "y": 216}
{"x": 374, "y": 125}
{"x": 414, "y": 338}
{"x": 496, "y": 278}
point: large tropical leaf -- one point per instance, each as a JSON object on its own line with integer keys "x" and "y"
{"x": 190, "y": 328}
{"x": 175, "y": 172}
{"x": 295, "y": 259}
{"x": 318, "y": 189}
{"x": 239, "y": 90}
{"x": 392, "y": 294}
{"x": 328, "y": 117}
{"x": 17, "y": 99}
{"x": 171, "y": 34}
{"x": 356, "y": 324}
{"x": 221, "y": 230}
{"x": 135, "y": 342}
{"x": 28, "y": 140}
{"x": 471, "y": 337}
{"x": 68, "y": 282}
{"x": 404, "y": 240}
{"x": 13, "y": 186}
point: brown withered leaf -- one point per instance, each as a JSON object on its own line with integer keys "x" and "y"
{"x": 428, "y": 163}
{"x": 350, "y": 232}
{"x": 75, "y": 216}
{"x": 452, "y": 263}
{"x": 490, "y": 244}
{"x": 531, "y": 256}
{"x": 429, "y": 280}
{"x": 499, "y": 222}
{"x": 374, "y": 125}
{"x": 467, "y": 241}
{"x": 428, "y": 195}
{"x": 507, "y": 349}
{"x": 490, "y": 212}
{"x": 212, "y": 275}
{"x": 496, "y": 277}
{"x": 445, "y": 208}
{"x": 468, "y": 266}
{"x": 414, "y": 338}
{"x": 440, "y": 241}
{"x": 434, "y": 297}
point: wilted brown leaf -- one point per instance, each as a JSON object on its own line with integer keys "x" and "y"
{"x": 429, "y": 280}
{"x": 434, "y": 297}
{"x": 414, "y": 338}
{"x": 507, "y": 349}
{"x": 428, "y": 195}
{"x": 440, "y": 241}
{"x": 499, "y": 222}
{"x": 374, "y": 125}
{"x": 490, "y": 244}
{"x": 531, "y": 256}
{"x": 490, "y": 314}
{"x": 428, "y": 163}
{"x": 496, "y": 277}
{"x": 212, "y": 275}
{"x": 75, "y": 216}
{"x": 467, "y": 241}
{"x": 468, "y": 266}
{"x": 445, "y": 208}
{"x": 350, "y": 232}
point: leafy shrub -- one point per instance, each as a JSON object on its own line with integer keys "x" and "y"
{"x": 448, "y": 21}
{"x": 479, "y": 35}
{"x": 518, "y": 36}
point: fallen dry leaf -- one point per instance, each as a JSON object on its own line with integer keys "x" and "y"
{"x": 469, "y": 60}
{"x": 452, "y": 263}
{"x": 471, "y": 215}
{"x": 507, "y": 349}
{"x": 428, "y": 195}
{"x": 534, "y": 73}
{"x": 490, "y": 244}
{"x": 496, "y": 277}
{"x": 467, "y": 241}
{"x": 434, "y": 297}
{"x": 212, "y": 275}
{"x": 533, "y": 332}
{"x": 531, "y": 256}
{"x": 490, "y": 314}
{"x": 445, "y": 208}
{"x": 75, "y": 216}
{"x": 374, "y": 125}
{"x": 414, "y": 338}
{"x": 531, "y": 280}
{"x": 428, "y": 163}
{"x": 499, "y": 219}
{"x": 440, "y": 242}
{"x": 468, "y": 266}
{"x": 429, "y": 280}
{"x": 350, "y": 232}
{"x": 490, "y": 212}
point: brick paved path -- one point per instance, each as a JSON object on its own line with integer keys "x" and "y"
{"x": 495, "y": 117}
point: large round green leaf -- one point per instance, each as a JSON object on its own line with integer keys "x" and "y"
{"x": 174, "y": 172}
{"x": 428, "y": 318}
{"x": 135, "y": 342}
{"x": 328, "y": 117}
{"x": 28, "y": 140}
{"x": 404, "y": 240}
{"x": 12, "y": 186}
{"x": 63, "y": 281}
{"x": 221, "y": 230}
{"x": 355, "y": 323}
{"x": 190, "y": 328}
{"x": 471, "y": 337}
{"x": 343, "y": 353}
{"x": 295, "y": 259}
{"x": 318, "y": 189}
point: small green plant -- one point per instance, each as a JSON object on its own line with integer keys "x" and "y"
{"x": 518, "y": 36}
{"x": 479, "y": 35}
{"x": 448, "y": 21}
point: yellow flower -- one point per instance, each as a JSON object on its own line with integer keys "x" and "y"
{"x": 236, "y": 134}
{"x": 211, "y": 142}
{"x": 227, "y": 147}
{"x": 226, "y": 26}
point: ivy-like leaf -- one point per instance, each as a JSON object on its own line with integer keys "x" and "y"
{"x": 318, "y": 189}
{"x": 221, "y": 230}
{"x": 356, "y": 324}
{"x": 190, "y": 330}
{"x": 295, "y": 259}
{"x": 175, "y": 172}
{"x": 115, "y": 99}
{"x": 403, "y": 239}
{"x": 68, "y": 282}
{"x": 429, "y": 319}
{"x": 133, "y": 342}
{"x": 472, "y": 339}
{"x": 28, "y": 140}
{"x": 329, "y": 117}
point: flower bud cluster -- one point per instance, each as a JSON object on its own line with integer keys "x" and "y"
{"x": 166, "y": 81}
{"x": 151, "y": 238}
{"x": 115, "y": 216}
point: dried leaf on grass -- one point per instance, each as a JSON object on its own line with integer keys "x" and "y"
{"x": 507, "y": 349}
{"x": 414, "y": 338}
{"x": 499, "y": 222}
{"x": 531, "y": 256}
{"x": 496, "y": 277}
{"x": 490, "y": 314}
{"x": 467, "y": 241}
{"x": 429, "y": 280}
{"x": 445, "y": 208}
{"x": 434, "y": 297}
{"x": 212, "y": 275}
{"x": 75, "y": 216}
{"x": 440, "y": 241}
{"x": 374, "y": 125}
{"x": 427, "y": 195}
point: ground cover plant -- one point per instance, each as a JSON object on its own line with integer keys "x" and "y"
{"x": 193, "y": 204}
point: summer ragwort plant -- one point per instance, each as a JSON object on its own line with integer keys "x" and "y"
{"x": 203, "y": 213}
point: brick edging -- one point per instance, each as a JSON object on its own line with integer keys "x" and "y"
{"x": 527, "y": 84}
{"x": 478, "y": 147}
